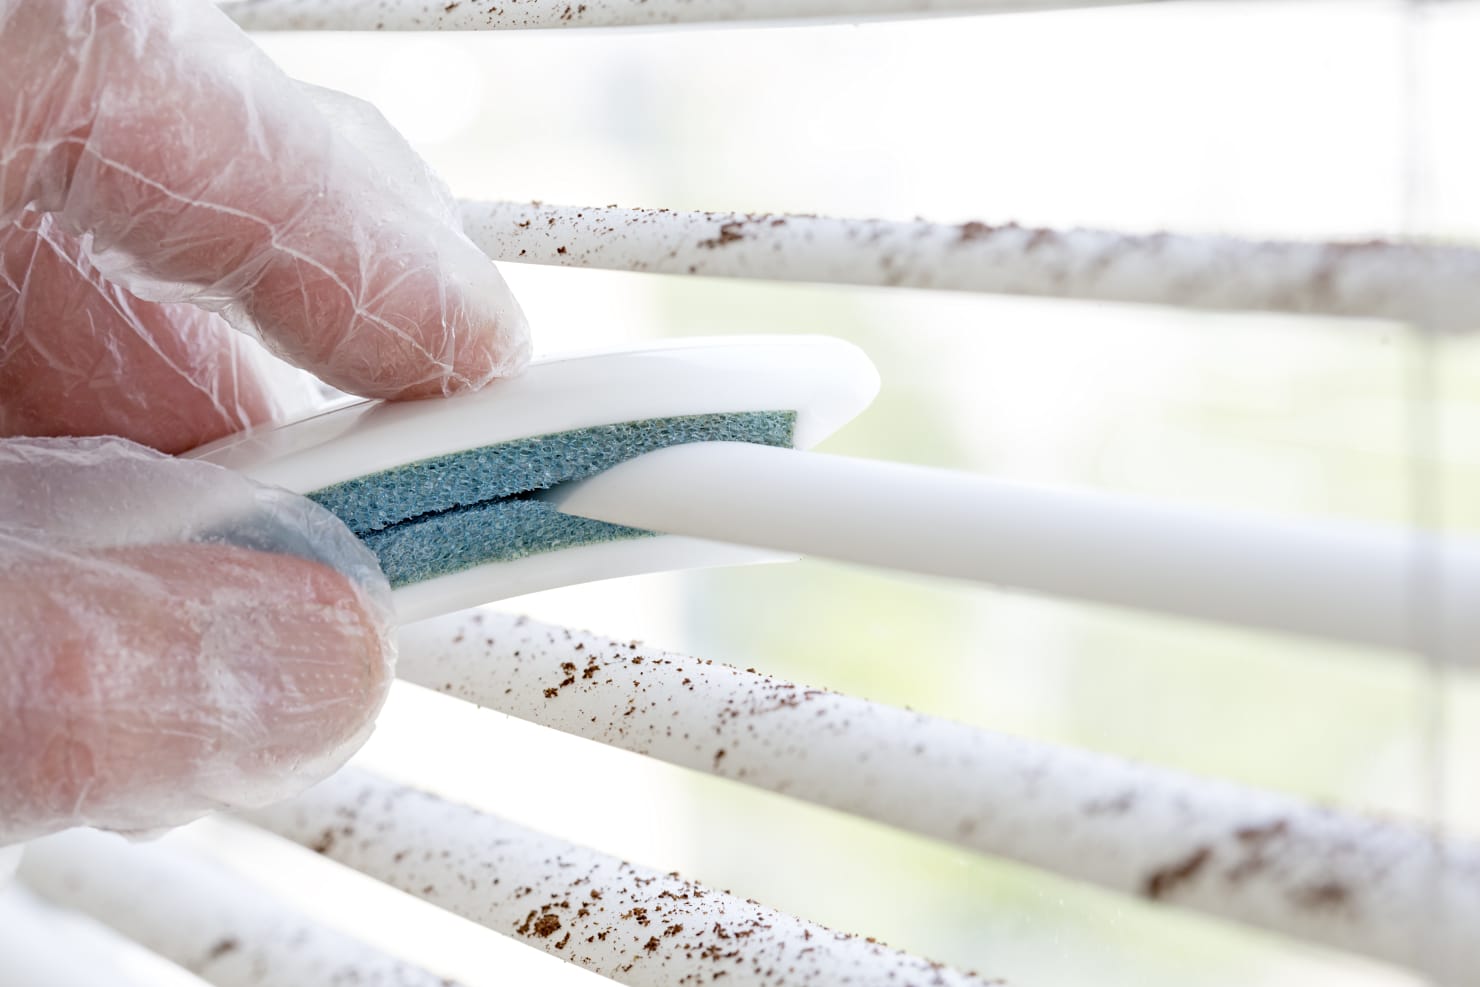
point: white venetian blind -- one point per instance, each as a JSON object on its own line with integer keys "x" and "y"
{"x": 1216, "y": 256}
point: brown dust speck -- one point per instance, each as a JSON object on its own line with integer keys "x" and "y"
{"x": 1163, "y": 882}
{"x": 1327, "y": 894}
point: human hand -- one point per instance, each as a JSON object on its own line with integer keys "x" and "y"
{"x": 174, "y": 638}
{"x": 159, "y": 656}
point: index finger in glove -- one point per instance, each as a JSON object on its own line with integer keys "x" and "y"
{"x": 193, "y": 161}
{"x": 81, "y": 356}
{"x": 173, "y": 639}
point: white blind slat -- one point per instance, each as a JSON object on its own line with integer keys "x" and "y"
{"x": 494, "y": 15}
{"x": 1430, "y": 285}
{"x": 631, "y": 924}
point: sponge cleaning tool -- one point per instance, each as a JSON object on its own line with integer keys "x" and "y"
{"x": 447, "y": 514}
{"x": 445, "y": 491}
{"x": 563, "y": 475}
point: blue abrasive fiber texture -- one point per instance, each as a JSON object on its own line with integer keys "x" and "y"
{"x": 449, "y": 513}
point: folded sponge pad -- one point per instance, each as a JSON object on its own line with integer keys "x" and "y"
{"x": 449, "y": 513}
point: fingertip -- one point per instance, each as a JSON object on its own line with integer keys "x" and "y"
{"x": 428, "y": 323}
{"x": 184, "y": 679}
{"x": 319, "y": 669}
{"x": 489, "y": 341}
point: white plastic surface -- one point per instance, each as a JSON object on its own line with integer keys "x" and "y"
{"x": 582, "y": 564}
{"x": 1341, "y": 581}
{"x": 825, "y": 381}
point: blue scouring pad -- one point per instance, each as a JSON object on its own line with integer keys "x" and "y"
{"x": 452, "y": 512}
{"x": 448, "y": 492}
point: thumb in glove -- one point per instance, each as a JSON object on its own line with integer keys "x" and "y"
{"x": 175, "y": 639}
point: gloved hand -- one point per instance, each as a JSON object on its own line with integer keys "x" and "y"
{"x": 173, "y": 637}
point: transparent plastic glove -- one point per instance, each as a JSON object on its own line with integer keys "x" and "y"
{"x": 177, "y": 162}
{"x": 174, "y": 638}
{"x": 80, "y": 355}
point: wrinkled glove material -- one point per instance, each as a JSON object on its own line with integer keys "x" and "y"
{"x": 177, "y": 218}
{"x": 265, "y": 652}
